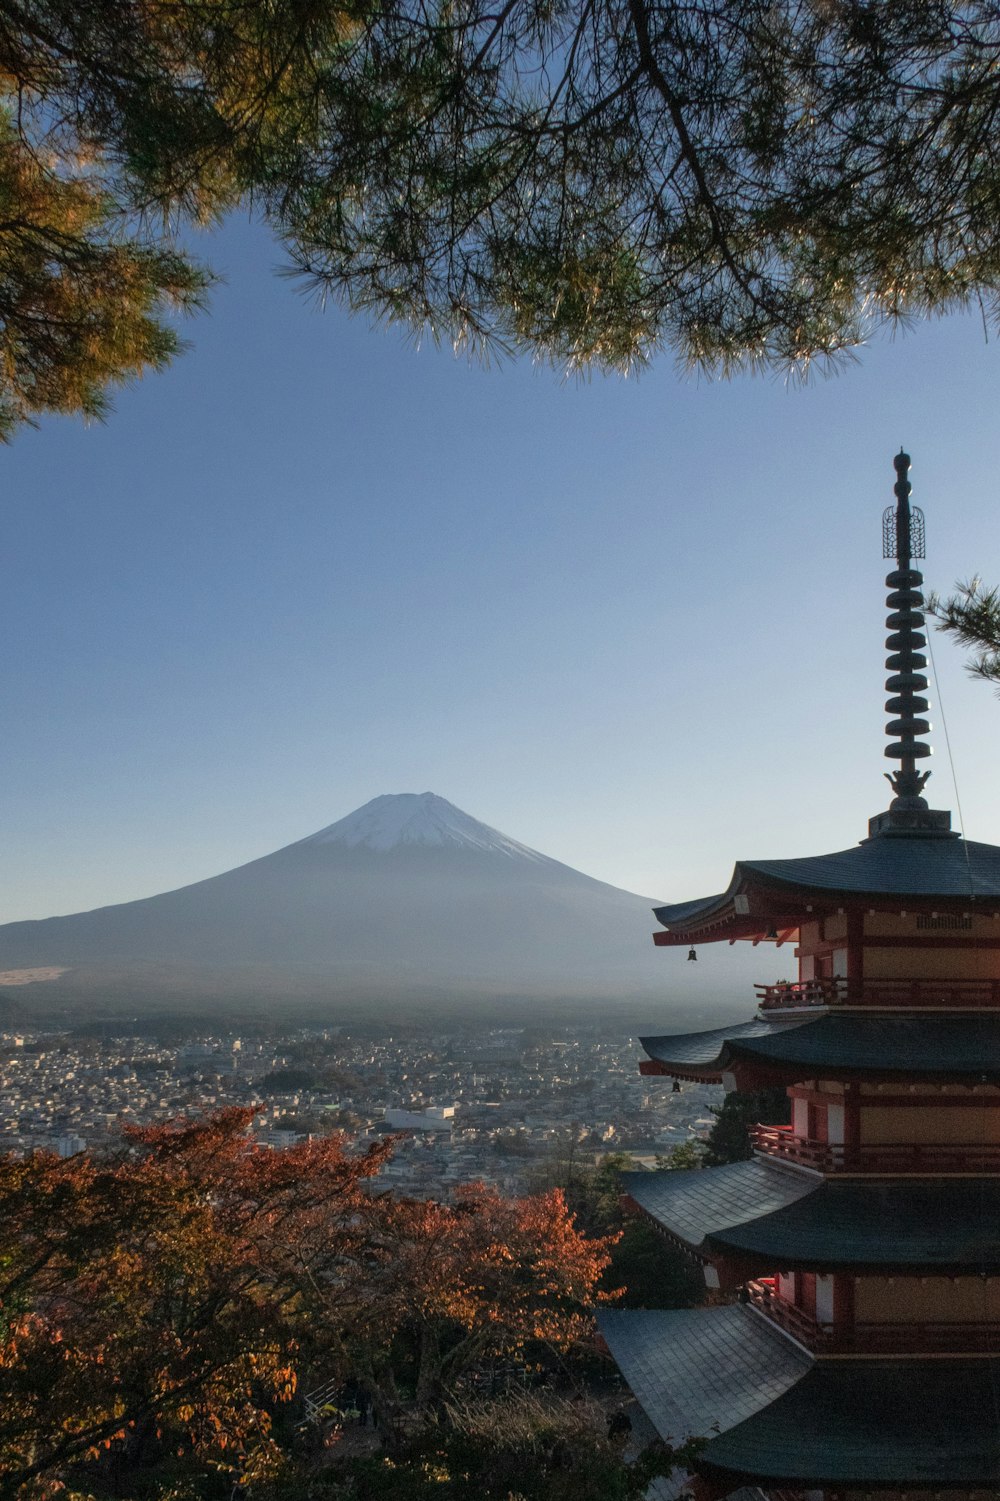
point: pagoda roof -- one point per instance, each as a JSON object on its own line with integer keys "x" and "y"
{"x": 693, "y": 1205}
{"x": 776, "y": 1415}
{"x": 959, "y": 1046}
{"x": 894, "y": 1423}
{"x": 782, "y": 1218}
{"x": 948, "y": 870}
{"x": 695, "y": 1371}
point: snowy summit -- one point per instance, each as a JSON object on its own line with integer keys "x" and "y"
{"x": 418, "y": 818}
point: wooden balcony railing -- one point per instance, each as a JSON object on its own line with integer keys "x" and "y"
{"x": 926, "y": 1337}
{"x": 792, "y": 995}
{"x": 908, "y": 1157}
{"x": 763, "y": 1295}
{"x": 779, "y": 1141}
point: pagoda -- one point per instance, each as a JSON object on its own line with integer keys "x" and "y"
{"x": 852, "y": 1343}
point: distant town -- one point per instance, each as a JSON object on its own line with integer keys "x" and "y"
{"x": 492, "y": 1105}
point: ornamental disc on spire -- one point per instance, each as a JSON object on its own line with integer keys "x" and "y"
{"x": 903, "y": 539}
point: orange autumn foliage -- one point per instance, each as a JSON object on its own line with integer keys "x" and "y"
{"x": 474, "y": 1280}
{"x": 168, "y": 1299}
{"x": 156, "y": 1291}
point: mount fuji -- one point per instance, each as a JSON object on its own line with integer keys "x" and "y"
{"x": 406, "y": 899}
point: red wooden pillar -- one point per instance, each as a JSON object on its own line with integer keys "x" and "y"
{"x": 855, "y": 953}
{"x": 852, "y": 1124}
{"x": 843, "y": 1305}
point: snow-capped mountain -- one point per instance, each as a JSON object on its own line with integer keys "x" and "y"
{"x": 417, "y": 818}
{"x": 407, "y": 896}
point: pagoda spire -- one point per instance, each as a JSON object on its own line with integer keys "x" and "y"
{"x": 903, "y": 540}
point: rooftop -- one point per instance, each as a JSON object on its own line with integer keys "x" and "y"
{"x": 696, "y": 1371}
{"x": 771, "y": 1413}
{"x": 947, "y": 871}
{"x": 958, "y": 1047}
{"x": 896, "y": 1423}
{"x": 783, "y": 1218}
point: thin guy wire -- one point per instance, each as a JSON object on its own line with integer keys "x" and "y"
{"x": 951, "y": 763}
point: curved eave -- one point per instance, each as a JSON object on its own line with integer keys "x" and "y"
{"x": 891, "y": 1424}
{"x": 952, "y": 874}
{"x": 675, "y": 914}
{"x": 779, "y": 1417}
{"x": 920, "y": 869}
{"x": 960, "y": 1048}
{"x": 690, "y": 1206}
{"x": 762, "y": 1217}
{"x": 701, "y": 1056}
{"x": 695, "y": 1371}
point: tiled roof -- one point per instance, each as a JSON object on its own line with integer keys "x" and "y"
{"x": 788, "y": 1218}
{"x": 677, "y": 912}
{"x": 883, "y": 866}
{"x": 888, "y": 866}
{"x": 692, "y": 1205}
{"x": 854, "y": 1423}
{"x": 697, "y": 1048}
{"x": 696, "y": 1371}
{"x": 955, "y": 1046}
{"x": 947, "y": 1226}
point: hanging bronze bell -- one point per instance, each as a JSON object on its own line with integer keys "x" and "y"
{"x": 691, "y": 955}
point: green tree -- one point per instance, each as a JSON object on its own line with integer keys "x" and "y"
{"x": 593, "y": 181}
{"x": 729, "y": 1138}
{"x": 971, "y": 616}
{"x": 82, "y": 307}
{"x": 689, "y": 1154}
{"x": 645, "y": 1270}
{"x": 651, "y": 1272}
{"x": 288, "y": 1081}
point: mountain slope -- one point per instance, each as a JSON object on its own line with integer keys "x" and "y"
{"x": 407, "y": 894}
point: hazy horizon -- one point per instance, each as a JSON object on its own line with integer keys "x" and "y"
{"x": 637, "y": 625}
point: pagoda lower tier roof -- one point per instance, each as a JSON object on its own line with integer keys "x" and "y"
{"x": 696, "y": 1371}
{"x": 900, "y": 1424}
{"x": 695, "y": 1204}
{"x": 884, "y": 867}
{"x": 772, "y": 1414}
{"x": 768, "y": 1217}
{"x": 954, "y": 1047}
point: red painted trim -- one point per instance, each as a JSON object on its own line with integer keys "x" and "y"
{"x": 726, "y": 928}
{"x": 652, "y": 1068}
{"x": 855, "y": 945}
{"x": 923, "y": 1102}
{"x": 929, "y": 941}
{"x": 843, "y": 1301}
{"x": 813, "y": 1096}
{"x": 852, "y": 1123}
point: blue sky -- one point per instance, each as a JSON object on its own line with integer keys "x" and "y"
{"x": 636, "y": 624}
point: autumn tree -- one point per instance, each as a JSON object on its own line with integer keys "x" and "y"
{"x": 166, "y": 1302}
{"x": 153, "y": 1299}
{"x": 644, "y": 1269}
{"x": 593, "y": 181}
{"x": 448, "y": 1287}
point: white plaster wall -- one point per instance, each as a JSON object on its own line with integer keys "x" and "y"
{"x": 835, "y": 1125}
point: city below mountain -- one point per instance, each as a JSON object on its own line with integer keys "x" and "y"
{"x": 408, "y": 899}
